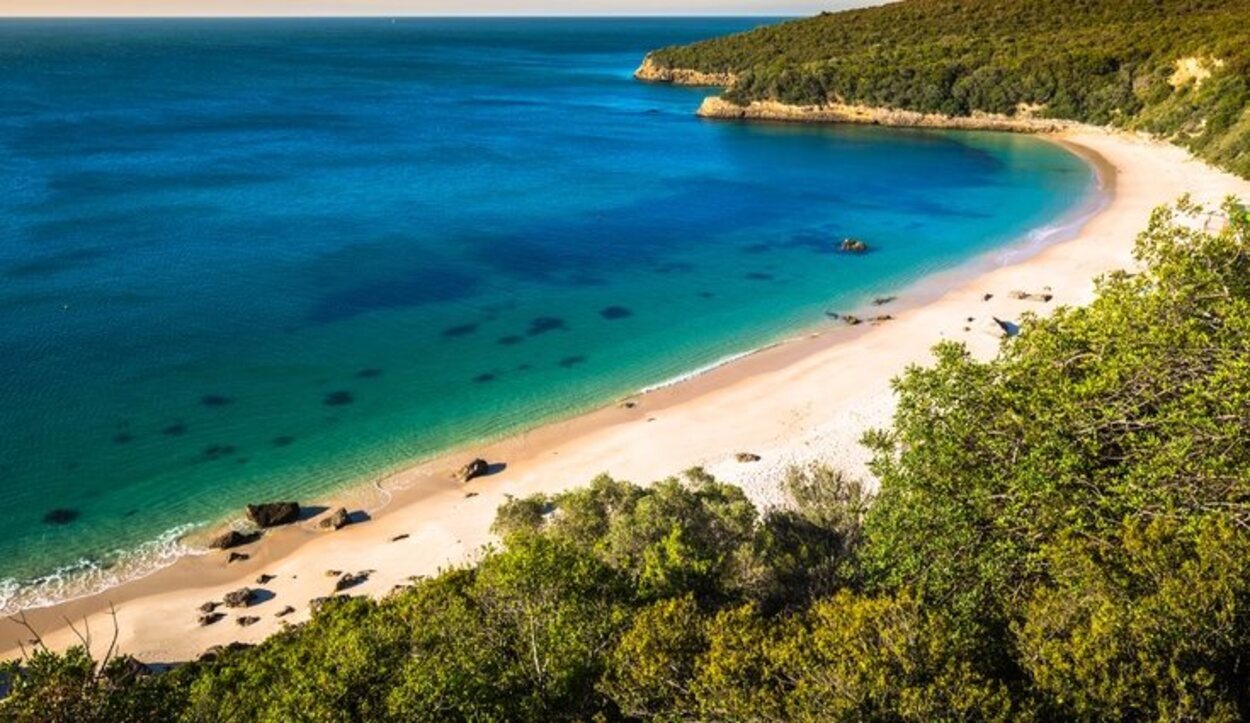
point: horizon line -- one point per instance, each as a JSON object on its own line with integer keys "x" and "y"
{"x": 393, "y": 16}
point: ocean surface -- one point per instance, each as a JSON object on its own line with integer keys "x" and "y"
{"x": 243, "y": 260}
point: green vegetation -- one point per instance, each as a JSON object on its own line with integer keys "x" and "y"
{"x": 1097, "y": 61}
{"x": 1061, "y": 533}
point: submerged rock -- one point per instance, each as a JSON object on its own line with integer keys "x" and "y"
{"x": 273, "y": 514}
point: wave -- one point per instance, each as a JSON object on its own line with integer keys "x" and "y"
{"x": 89, "y": 576}
{"x": 700, "y": 371}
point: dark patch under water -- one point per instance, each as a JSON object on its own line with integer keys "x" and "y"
{"x": 615, "y": 312}
{"x": 123, "y": 438}
{"x": 484, "y": 377}
{"x": 544, "y": 324}
{"x": 459, "y": 330}
{"x": 177, "y": 429}
{"x": 338, "y": 399}
{"x": 370, "y": 373}
{"x": 510, "y": 340}
{"x": 759, "y": 276}
{"x": 217, "y": 451}
{"x": 569, "y": 362}
{"x": 215, "y": 400}
{"x": 60, "y": 516}
{"x": 283, "y": 441}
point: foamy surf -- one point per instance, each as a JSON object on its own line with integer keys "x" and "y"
{"x": 90, "y": 576}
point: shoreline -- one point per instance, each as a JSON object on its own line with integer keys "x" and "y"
{"x": 810, "y": 398}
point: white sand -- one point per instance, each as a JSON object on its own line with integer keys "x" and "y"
{"x": 806, "y": 400}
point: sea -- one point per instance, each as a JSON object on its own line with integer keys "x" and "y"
{"x": 253, "y": 259}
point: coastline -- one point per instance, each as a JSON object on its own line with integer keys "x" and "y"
{"x": 810, "y": 398}
{"x": 757, "y": 110}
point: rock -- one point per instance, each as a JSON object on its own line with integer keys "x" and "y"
{"x": 233, "y": 538}
{"x": 336, "y": 521}
{"x": 333, "y": 573}
{"x": 217, "y": 651}
{"x": 284, "y": 612}
{"x": 882, "y": 300}
{"x": 747, "y": 457}
{"x": 987, "y": 297}
{"x": 350, "y": 580}
{"x": 246, "y": 620}
{"x": 264, "y": 579}
{"x": 240, "y": 598}
{"x": 401, "y": 536}
{"x": 853, "y": 245}
{"x": 881, "y": 317}
{"x": 210, "y": 618}
{"x": 476, "y": 468}
{"x": 1026, "y": 296}
{"x": 209, "y": 606}
{"x": 470, "y": 495}
{"x": 273, "y": 514}
{"x": 852, "y": 320}
{"x": 237, "y": 557}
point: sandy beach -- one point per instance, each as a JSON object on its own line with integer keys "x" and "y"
{"x": 806, "y": 400}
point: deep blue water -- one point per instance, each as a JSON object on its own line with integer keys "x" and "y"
{"x": 241, "y": 259}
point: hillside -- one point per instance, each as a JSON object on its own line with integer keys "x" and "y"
{"x": 1176, "y": 68}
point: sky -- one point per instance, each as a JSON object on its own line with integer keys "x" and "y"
{"x": 97, "y": 8}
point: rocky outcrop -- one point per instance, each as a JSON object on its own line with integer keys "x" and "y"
{"x": 337, "y": 520}
{"x": 654, "y": 72}
{"x": 240, "y": 598}
{"x": 350, "y": 580}
{"x": 853, "y": 246}
{"x": 476, "y": 468}
{"x": 273, "y": 514}
{"x": 716, "y": 107}
{"x": 233, "y": 538}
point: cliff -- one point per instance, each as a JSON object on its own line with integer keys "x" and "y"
{"x": 653, "y": 72}
{"x": 716, "y": 107}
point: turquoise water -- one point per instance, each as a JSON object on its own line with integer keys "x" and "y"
{"x": 241, "y": 260}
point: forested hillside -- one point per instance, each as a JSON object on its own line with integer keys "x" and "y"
{"x": 1061, "y": 534}
{"x": 1177, "y": 68}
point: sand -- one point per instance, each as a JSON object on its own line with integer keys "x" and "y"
{"x": 806, "y": 400}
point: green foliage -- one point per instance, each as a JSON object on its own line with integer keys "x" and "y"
{"x": 72, "y": 687}
{"x": 1061, "y": 533}
{"x": 1096, "y": 61}
{"x": 1152, "y": 629}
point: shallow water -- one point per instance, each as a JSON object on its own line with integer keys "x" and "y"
{"x": 247, "y": 259}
